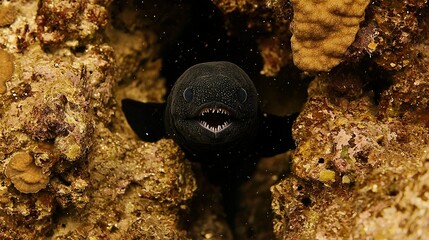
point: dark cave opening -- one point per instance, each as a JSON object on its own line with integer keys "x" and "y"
{"x": 205, "y": 38}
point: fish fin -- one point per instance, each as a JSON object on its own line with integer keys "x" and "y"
{"x": 146, "y": 119}
{"x": 275, "y": 134}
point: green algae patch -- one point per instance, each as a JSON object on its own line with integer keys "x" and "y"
{"x": 327, "y": 176}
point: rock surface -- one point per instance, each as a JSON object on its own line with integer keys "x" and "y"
{"x": 72, "y": 167}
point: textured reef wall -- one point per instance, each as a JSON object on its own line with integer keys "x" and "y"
{"x": 360, "y": 169}
{"x": 71, "y": 168}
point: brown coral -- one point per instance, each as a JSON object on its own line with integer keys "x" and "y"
{"x": 7, "y": 15}
{"x": 6, "y": 69}
{"x": 323, "y": 30}
{"x": 25, "y": 175}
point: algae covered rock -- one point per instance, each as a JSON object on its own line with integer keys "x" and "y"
{"x": 66, "y": 171}
{"x": 359, "y": 168}
{"x": 354, "y": 166}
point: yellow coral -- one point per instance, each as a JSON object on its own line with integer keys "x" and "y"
{"x": 25, "y": 175}
{"x": 323, "y": 30}
{"x": 6, "y": 69}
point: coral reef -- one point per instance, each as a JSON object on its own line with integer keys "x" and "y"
{"x": 73, "y": 24}
{"x": 354, "y": 166}
{"x": 360, "y": 167}
{"x": 71, "y": 167}
{"x": 357, "y": 159}
{"x": 25, "y": 175}
{"x": 323, "y": 30}
{"x": 142, "y": 199}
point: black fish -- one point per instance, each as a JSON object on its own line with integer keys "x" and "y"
{"x": 212, "y": 114}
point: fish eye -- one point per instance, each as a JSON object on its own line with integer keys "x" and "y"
{"x": 188, "y": 94}
{"x": 242, "y": 95}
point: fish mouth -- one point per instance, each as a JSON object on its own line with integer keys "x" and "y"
{"x": 215, "y": 119}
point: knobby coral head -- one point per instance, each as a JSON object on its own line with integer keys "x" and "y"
{"x": 25, "y": 175}
{"x": 323, "y": 30}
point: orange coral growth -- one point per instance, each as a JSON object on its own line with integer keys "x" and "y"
{"x": 25, "y": 175}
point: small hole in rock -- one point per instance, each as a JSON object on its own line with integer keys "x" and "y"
{"x": 393, "y": 193}
{"x": 79, "y": 49}
{"x": 321, "y": 160}
{"x": 306, "y": 201}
